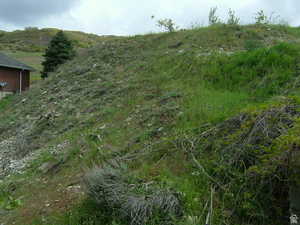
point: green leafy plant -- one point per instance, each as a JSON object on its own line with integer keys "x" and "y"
{"x": 167, "y": 24}
{"x": 7, "y": 202}
{"x": 261, "y": 18}
{"x": 212, "y": 16}
{"x": 233, "y": 19}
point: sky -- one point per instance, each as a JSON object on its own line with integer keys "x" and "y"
{"x": 130, "y": 17}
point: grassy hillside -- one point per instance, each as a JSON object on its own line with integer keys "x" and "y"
{"x": 200, "y": 122}
{"x": 34, "y": 39}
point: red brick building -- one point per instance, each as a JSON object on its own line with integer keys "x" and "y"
{"x": 14, "y": 75}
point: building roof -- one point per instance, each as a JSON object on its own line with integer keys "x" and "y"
{"x": 6, "y": 61}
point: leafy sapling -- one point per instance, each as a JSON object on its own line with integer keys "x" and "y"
{"x": 166, "y": 24}
{"x": 233, "y": 19}
{"x": 261, "y": 18}
{"x": 212, "y": 17}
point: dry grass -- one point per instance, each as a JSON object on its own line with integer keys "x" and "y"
{"x": 136, "y": 203}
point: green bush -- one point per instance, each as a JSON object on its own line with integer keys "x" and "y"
{"x": 213, "y": 18}
{"x": 232, "y": 18}
{"x": 166, "y": 24}
{"x": 261, "y": 18}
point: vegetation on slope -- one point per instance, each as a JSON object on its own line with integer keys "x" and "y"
{"x": 163, "y": 109}
{"x": 36, "y": 40}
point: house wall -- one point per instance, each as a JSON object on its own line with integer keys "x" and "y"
{"x": 25, "y": 80}
{"x": 12, "y": 77}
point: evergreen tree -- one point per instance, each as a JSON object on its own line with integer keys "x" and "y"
{"x": 59, "y": 51}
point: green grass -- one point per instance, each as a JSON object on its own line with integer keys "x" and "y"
{"x": 263, "y": 72}
{"x": 86, "y": 213}
{"x": 5, "y": 102}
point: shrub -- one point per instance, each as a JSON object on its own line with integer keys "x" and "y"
{"x": 131, "y": 201}
{"x": 261, "y": 18}
{"x": 233, "y": 19}
{"x": 212, "y": 17}
{"x": 167, "y": 25}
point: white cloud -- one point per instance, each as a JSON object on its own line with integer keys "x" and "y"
{"x": 125, "y": 17}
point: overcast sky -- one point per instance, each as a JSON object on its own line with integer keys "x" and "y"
{"x": 128, "y": 17}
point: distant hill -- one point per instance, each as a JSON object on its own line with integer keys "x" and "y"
{"x": 35, "y": 40}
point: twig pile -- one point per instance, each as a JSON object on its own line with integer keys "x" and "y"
{"x": 250, "y": 161}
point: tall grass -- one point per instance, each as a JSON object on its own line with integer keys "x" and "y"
{"x": 215, "y": 87}
{"x": 262, "y": 73}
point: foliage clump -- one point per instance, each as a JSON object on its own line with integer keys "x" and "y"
{"x": 233, "y": 19}
{"x": 261, "y": 18}
{"x": 7, "y": 202}
{"x": 213, "y": 18}
{"x": 129, "y": 199}
{"x": 59, "y": 51}
{"x": 252, "y": 162}
{"x": 167, "y": 25}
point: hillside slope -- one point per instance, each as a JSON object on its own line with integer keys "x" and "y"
{"x": 210, "y": 113}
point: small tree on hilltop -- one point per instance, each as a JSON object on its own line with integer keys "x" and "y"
{"x": 166, "y": 24}
{"x": 233, "y": 19}
{"x": 59, "y": 51}
{"x": 261, "y": 18}
{"x": 212, "y": 17}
